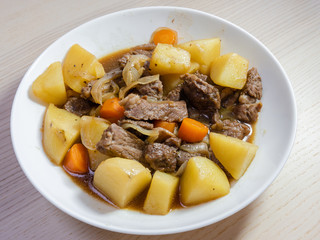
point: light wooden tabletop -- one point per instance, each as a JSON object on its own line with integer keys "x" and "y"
{"x": 288, "y": 209}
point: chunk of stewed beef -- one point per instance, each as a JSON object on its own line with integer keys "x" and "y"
{"x": 199, "y": 93}
{"x": 253, "y": 86}
{"x": 229, "y": 97}
{"x": 138, "y": 108}
{"x": 116, "y": 141}
{"x": 232, "y": 128}
{"x": 247, "y": 112}
{"x": 161, "y": 157}
{"x": 175, "y": 94}
{"x": 78, "y": 106}
{"x": 153, "y": 89}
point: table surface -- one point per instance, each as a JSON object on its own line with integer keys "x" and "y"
{"x": 289, "y": 208}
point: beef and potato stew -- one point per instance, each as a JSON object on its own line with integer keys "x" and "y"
{"x": 161, "y": 122}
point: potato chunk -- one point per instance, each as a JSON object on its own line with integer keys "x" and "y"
{"x": 229, "y": 70}
{"x": 80, "y": 67}
{"x": 170, "y": 81}
{"x": 167, "y": 59}
{"x": 61, "y": 131}
{"x": 202, "y": 180}
{"x": 203, "y": 52}
{"x": 49, "y": 86}
{"x": 121, "y": 180}
{"x": 161, "y": 193}
{"x": 234, "y": 154}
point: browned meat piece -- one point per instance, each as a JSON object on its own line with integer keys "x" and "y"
{"x": 161, "y": 157}
{"x": 116, "y": 141}
{"x": 86, "y": 91}
{"x": 247, "y": 112}
{"x": 123, "y": 60}
{"x": 140, "y": 109}
{"x": 246, "y": 99}
{"x": 175, "y": 94}
{"x": 200, "y": 94}
{"x": 253, "y": 85}
{"x": 183, "y": 156}
{"x": 173, "y": 141}
{"x": 201, "y": 76}
{"x": 78, "y": 106}
{"x": 142, "y": 124}
{"x": 145, "y": 49}
{"x": 231, "y": 128}
{"x": 229, "y": 97}
{"x": 153, "y": 89}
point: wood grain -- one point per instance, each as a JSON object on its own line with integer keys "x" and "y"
{"x": 288, "y": 209}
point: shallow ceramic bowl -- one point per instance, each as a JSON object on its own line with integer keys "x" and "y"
{"x": 274, "y": 132}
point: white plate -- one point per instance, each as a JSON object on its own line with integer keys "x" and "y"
{"x": 274, "y": 135}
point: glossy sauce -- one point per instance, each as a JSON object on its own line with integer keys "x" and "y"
{"x": 85, "y": 181}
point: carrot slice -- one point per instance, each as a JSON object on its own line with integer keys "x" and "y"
{"x": 192, "y": 130}
{"x": 165, "y": 35}
{"x": 164, "y": 124}
{"x": 77, "y": 159}
{"x": 112, "y": 110}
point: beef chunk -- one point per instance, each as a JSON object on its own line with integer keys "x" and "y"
{"x": 231, "y": 128}
{"x": 229, "y": 97}
{"x": 142, "y": 124}
{"x": 175, "y": 94}
{"x": 246, "y": 99}
{"x": 78, "y": 106}
{"x": 118, "y": 142}
{"x": 153, "y": 89}
{"x": 253, "y": 86}
{"x": 173, "y": 141}
{"x": 201, "y": 76}
{"x": 183, "y": 156}
{"x": 161, "y": 157}
{"x": 145, "y": 49}
{"x": 200, "y": 94}
{"x": 138, "y": 108}
{"x": 247, "y": 112}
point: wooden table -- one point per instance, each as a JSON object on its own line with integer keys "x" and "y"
{"x": 288, "y": 209}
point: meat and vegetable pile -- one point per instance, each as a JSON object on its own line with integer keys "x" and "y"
{"x": 173, "y": 120}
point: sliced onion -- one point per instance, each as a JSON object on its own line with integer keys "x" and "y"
{"x": 105, "y": 88}
{"x": 144, "y": 80}
{"x": 134, "y": 68}
{"x": 153, "y": 133}
{"x": 91, "y": 130}
{"x": 201, "y": 148}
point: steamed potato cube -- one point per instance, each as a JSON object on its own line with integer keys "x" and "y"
{"x": 203, "y": 51}
{"x": 229, "y": 70}
{"x": 61, "y": 131}
{"x": 202, "y": 180}
{"x": 80, "y": 67}
{"x": 194, "y": 66}
{"x": 161, "y": 193}
{"x": 91, "y": 130}
{"x": 167, "y": 59}
{"x": 49, "y": 86}
{"x": 121, "y": 180}
{"x": 234, "y": 154}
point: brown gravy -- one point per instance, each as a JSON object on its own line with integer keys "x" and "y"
{"x": 110, "y": 62}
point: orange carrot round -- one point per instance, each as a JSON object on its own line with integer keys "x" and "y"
{"x": 192, "y": 130}
{"x": 164, "y": 124}
{"x": 112, "y": 110}
{"x": 77, "y": 159}
{"x": 165, "y": 35}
